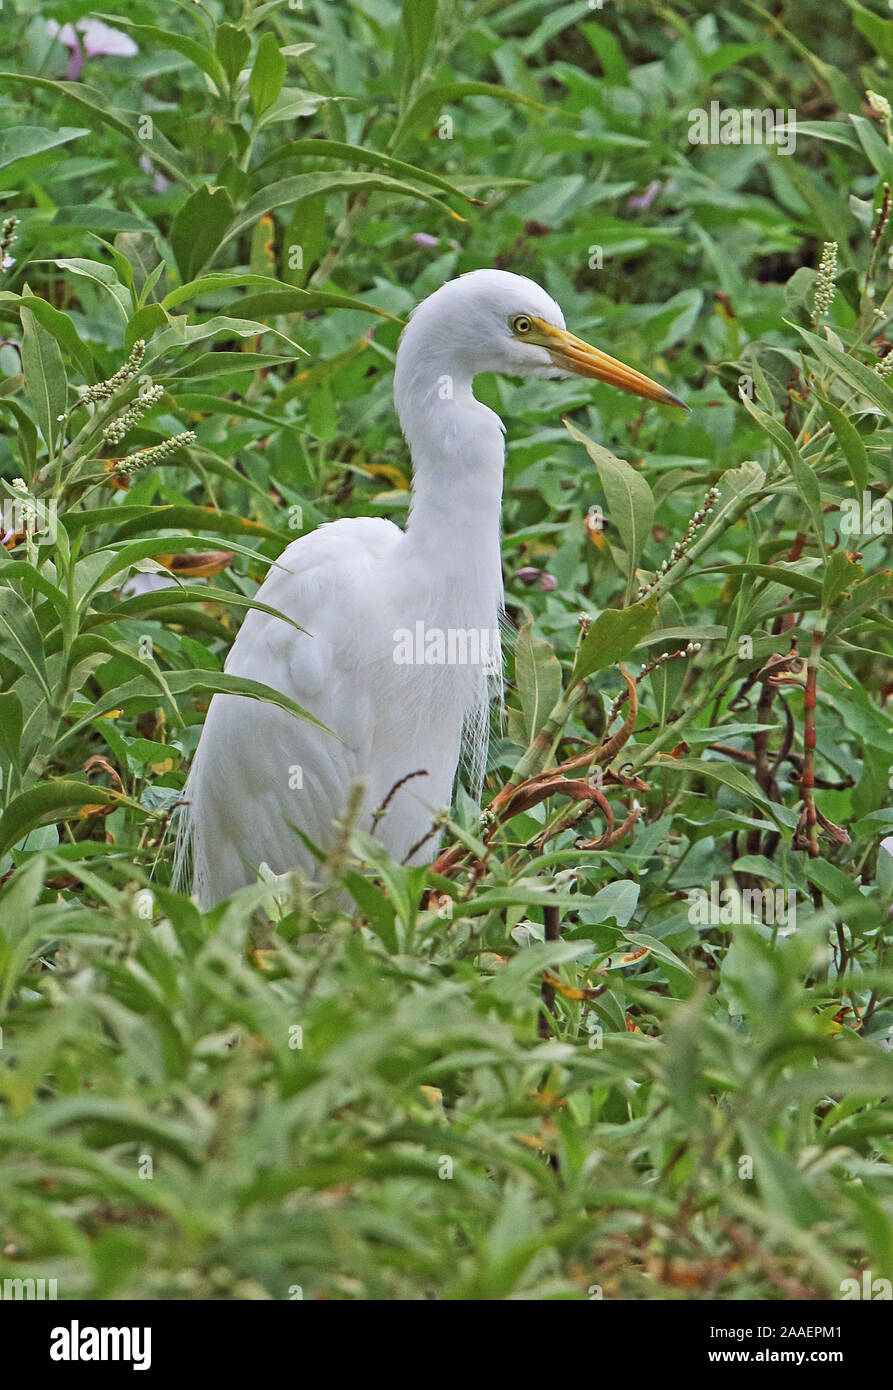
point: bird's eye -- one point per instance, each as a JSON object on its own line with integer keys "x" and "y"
{"x": 521, "y": 324}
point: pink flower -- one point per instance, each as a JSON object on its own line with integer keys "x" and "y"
{"x": 644, "y": 200}
{"x": 425, "y": 239}
{"x": 530, "y": 576}
{"x": 159, "y": 182}
{"x": 90, "y": 38}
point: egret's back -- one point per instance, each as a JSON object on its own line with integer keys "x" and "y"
{"x": 259, "y": 772}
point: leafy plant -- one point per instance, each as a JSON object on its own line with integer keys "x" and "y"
{"x": 558, "y": 1062}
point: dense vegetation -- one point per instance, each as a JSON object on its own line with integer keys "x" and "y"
{"x": 224, "y": 213}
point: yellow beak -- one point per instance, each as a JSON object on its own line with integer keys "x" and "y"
{"x": 573, "y": 355}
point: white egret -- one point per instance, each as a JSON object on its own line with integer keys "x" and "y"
{"x": 401, "y": 624}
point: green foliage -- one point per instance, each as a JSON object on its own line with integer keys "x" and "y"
{"x": 218, "y": 239}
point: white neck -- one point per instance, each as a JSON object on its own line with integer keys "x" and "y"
{"x": 458, "y": 454}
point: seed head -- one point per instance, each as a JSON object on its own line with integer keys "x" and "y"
{"x": 824, "y": 285}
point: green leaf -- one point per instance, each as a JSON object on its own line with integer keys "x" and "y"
{"x": 137, "y": 520}
{"x": 616, "y": 900}
{"x": 836, "y": 132}
{"x": 850, "y": 441}
{"x": 27, "y": 433}
{"x": 726, "y": 773}
{"x": 21, "y": 639}
{"x": 538, "y": 677}
{"x": 202, "y": 682}
{"x": 96, "y": 218}
{"x": 427, "y": 107}
{"x": 610, "y": 53}
{"x": 674, "y": 636}
{"x": 791, "y": 576}
{"x": 629, "y": 499}
{"x": 102, "y": 275}
{"x": 199, "y": 227}
{"x": 25, "y": 141}
{"x": 417, "y": 19}
{"x": 805, "y": 480}
{"x": 358, "y": 154}
{"x": 614, "y": 633}
{"x": 679, "y": 974}
{"x": 50, "y": 802}
{"x": 145, "y": 324}
{"x": 180, "y": 43}
{"x": 233, "y": 46}
{"x": 292, "y": 104}
{"x": 192, "y": 682}
{"x": 823, "y": 200}
{"x": 138, "y": 250}
{"x": 666, "y": 680}
{"x": 209, "y": 404}
{"x": 293, "y": 190}
{"x": 291, "y": 300}
{"x": 877, "y": 149}
{"x": 879, "y": 32}
{"x": 175, "y": 597}
{"x": 119, "y": 560}
{"x": 96, "y": 105}
{"x": 181, "y": 334}
{"x": 837, "y": 886}
{"x": 267, "y": 74}
{"x": 46, "y": 384}
{"x": 378, "y": 911}
{"x": 780, "y": 1184}
{"x": 852, "y": 371}
{"x": 301, "y": 302}
{"x": 11, "y": 720}
{"x": 215, "y": 364}
{"x": 63, "y": 330}
{"x": 19, "y": 571}
{"x": 840, "y": 573}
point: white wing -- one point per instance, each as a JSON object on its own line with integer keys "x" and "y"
{"x": 258, "y": 771}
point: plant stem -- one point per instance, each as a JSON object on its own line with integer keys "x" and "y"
{"x": 807, "y": 776}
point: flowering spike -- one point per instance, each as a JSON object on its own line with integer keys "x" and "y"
{"x": 115, "y": 431}
{"x": 147, "y": 458}
{"x": 824, "y": 285}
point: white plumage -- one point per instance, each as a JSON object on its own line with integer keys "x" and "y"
{"x": 358, "y": 586}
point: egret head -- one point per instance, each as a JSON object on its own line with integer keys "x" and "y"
{"x": 493, "y": 321}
